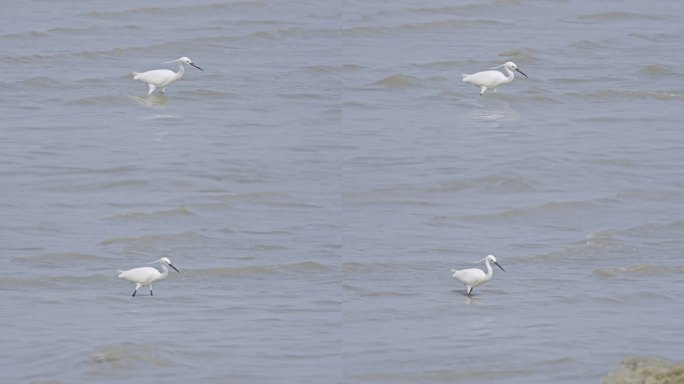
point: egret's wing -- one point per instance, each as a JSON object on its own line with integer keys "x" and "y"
{"x": 156, "y": 77}
{"x": 484, "y": 78}
{"x": 469, "y": 276}
{"x": 139, "y": 275}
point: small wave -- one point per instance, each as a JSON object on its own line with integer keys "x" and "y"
{"x": 292, "y": 204}
{"x": 261, "y": 233}
{"x": 552, "y": 209}
{"x": 423, "y": 26}
{"x": 654, "y": 36}
{"x": 542, "y": 96}
{"x": 366, "y": 31}
{"x": 441, "y": 376}
{"x": 42, "y": 282}
{"x": 441, "y": 64}
{"x": 587, "y": 45}
{"x": 619, "y": 94}
{"x": 188, "y": 236}
{"x": 398, "y": 81}
{"x": 27, "y": 59}
{"x": 42, "y": 82}
{"x": 212, "y": 8}
{"x": 643, "y": 269}
{"x": 214, "y": 94}
{"x": 109, "y": 186}
{"x": 96, "y": 101}
{"x": 249, "y": 197}
{"x": 655, "y": 196}
{"x": 76, "y": 31}
{"x": 386, "y": 294}
{"x": 492, "y": 183}
{"x": 263, "y": 35}
{"x": 66, "y": 258}
{"x": 129, "y": 352}
{"x": 305, "y": 267}
{"x": 25, "y": 35}
{"x": 453, "y": 24}
{"x": 163, "y": 214}
{"x": 603, "y": 240}
{"x": 352, "y": 67}
{"x": 450, "y": 9}
{"x": 600, "y": 120}
{"x": 309, "y": 32}
{"x": 323, "y": 69}
{"x": 357, "y": 267}
{"x": 353, "y": 266}
{"x": 652, "y": 370}
{"x": 616, "y": 16}
{"x": 519, "y": 55}
{"x": 657, "y": 69}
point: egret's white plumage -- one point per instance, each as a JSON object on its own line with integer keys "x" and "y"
{"x": 473, "y": 277}
{"x": 161, "y": 78}
{"x": 492, "y": 79}
{"x": 147, "y": 275}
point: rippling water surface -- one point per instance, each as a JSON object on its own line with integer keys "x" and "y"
{"x": 318, "y": 180}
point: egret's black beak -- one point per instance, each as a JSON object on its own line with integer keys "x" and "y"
{"x": 171, "y": 265}
{"x": 193, "y": 64}
{"x": 497, "y": 264}
{"x": 521, "y": 72}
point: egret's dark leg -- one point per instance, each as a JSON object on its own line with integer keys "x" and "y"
{"x": 151, "y": 294}
{"x": 137, "y": 286}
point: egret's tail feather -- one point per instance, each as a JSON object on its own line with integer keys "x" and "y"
{"x": 135, "y": 75}
{"x": 464, "y": 76}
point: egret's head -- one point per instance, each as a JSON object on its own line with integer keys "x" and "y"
{"x": 186, "y": 60}
{"x": 165, "y": 260}
{"x": 511, "y": 65}
{"x": 492, "y": 259}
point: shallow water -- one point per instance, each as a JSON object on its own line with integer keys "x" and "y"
{"x": 318, "y": 180}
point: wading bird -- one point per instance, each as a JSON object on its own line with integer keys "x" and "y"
{"x": 473, "y": 277}
{"x": 492, "y": 79}
{"x": 163, "y": 77}
{"x": 147, "y": 275}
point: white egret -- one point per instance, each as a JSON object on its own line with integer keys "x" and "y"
{"x": 163, "y": 77}
{"x": 147, "y": 275}
{"x": 473, "y": 277}
{"x": 492, "y": 79}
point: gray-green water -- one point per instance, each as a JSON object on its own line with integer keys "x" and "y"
{"x": 318, "y": 180}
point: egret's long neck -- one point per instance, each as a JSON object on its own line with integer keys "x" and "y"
{"x": 489, "y": 270}
{"x": 509, "y": 77}
{"x": 165, "y": 271}
{"x": 179, "y": 74}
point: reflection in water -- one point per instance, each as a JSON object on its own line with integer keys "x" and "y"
{"x": 150, "y": 101}
{"x": 467, "y": 299}
{"x": 494, "y": 114}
